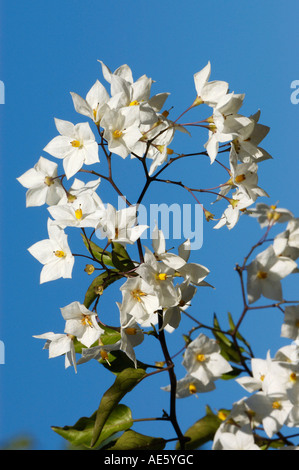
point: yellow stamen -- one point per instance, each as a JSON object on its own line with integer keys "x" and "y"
{"x": 137, "y": 294}
{"x": 78, "y": 213}
{"x": 76, "y": 143}
{"x": 293, "y": 377}
{"x": 192, "y": 388}
{"x": 86, "y": 321}
{"x": 59, "y": 253}
{"x": 131, "y": 331}
{"x": 240, "y": 178}
{"x": 104, "y": 356}
{"x": 117, "y": 134}
{"x": 201, "y": 357}
{"x": 221, "y": 415}
{"x": 262, "y": 275}
{"x": 161, "y": 277}
{"x": 262, "y": 377}
{"x": 276, "y": 405}
{"x": 134, "y": 103}
{"x": 48, "y": 180}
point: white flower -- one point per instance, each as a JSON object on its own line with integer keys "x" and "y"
{"x": 80, "y": 213}
{"x": 259, "y": 368}
{"x": 188, "y": 386}
{"x": 95, "y": 103}
{"x": 43, "y": 185}
{"x": 97, "y": 352}
{"x": 226, "y": 123}
{"x": 267, "y": 215}
{"x": 290, "y": 326}
{"x": 159, "y": 248}
{"x": 138, "y": 299}
{"x": 246, "y": 144}
{"x": 273, "y": 410}
{"x": 59, "y": 345}
{"x": 121, "y": 130}
{"x": 80, "y": 191}
{"x": 81, "y": 323}
{"x": 244, "y": 177}
{"x": 54, "y": 253}
{"x": 287, "y": 243}
{"x": 76, "y": 145}
{"x": 193, "y": 273}
{"x": 203, "y": 360}
{"x": 208, "y": 92}
{"x": 238, "y": 439}
{"x": 172, "y": 315}
{"x": 120, "y": 225}
{"x": 264, "y": 275}
{"x": 231, "y": 215}
{"x": 160, "y": 278}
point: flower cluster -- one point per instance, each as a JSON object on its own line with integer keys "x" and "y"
{"x": 159, "y": 287}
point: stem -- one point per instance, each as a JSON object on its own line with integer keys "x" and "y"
{"x": 173, "y": 383}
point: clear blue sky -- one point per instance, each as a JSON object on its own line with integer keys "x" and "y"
{"x": 51, "y": 48}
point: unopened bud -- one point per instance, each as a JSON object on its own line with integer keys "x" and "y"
{"x": 99, "y": 290}
{"x": 89, "y": 269}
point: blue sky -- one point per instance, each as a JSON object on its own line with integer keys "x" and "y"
{"x": 51, "y": 48}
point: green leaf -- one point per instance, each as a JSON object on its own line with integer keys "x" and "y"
{"x": 228, "y": 349}
{"x": 120, "y": 258}
{"x": 98, "y": 252}
{"x": 202, "y": 431}
{"x": 81, "y": 433}
{"x": 103, "y": 280}
{"x": 235, "y": 372}
{"x": 124, "y": 383}
{"x": 119, "y": 361}
{"x": 131, "y": 440}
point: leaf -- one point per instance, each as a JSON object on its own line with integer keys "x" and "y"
{"x": 98, "y": 252}
{"x": 81, "y": 433}
{"x": 120, "y": 258}
{"x": 132, "y": 440}
{"x": 228, "y": 349}
{"x": 124, "y": 383}
{"x": 103, "y": 280}
{"x": 119, "y": 361}
{"x": 202, "y": 431}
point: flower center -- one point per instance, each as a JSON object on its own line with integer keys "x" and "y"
{"x": 262, "y": 275}
{"x": 192, "y": 388}
{"x": 86, "y": 321}
{"x": 276, "y": 405}
{"x": 240, "y": 178}
{"x": 200, "y": 357}
{"x": 76, "y": 144}
{"x": 131, "y": 331}
{"x": 59, "y": 253}
{"x": 48, "y": 180}
{"x": 134, "y": 103}
{"x": 117, "y": 134}
{"x": 137, "y": 294}
{"x": 78, "y": 213}
{"x": 161, "y": 276}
